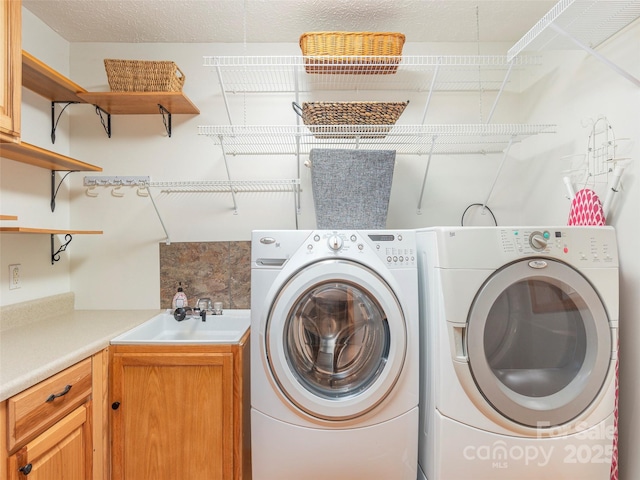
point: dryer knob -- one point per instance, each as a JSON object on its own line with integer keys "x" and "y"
{"x": 335, "y": 242}
{"x": 537, "y": 241}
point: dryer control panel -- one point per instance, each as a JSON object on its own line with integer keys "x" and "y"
{"x": 590, "y": 246}
{"x": 394, "y": 248}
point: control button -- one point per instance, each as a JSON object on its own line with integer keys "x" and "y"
{"x": 401, "y": 259}
{"x": 353, "y": 238}
{"x": 546, "y": 235}
{"x": 400, "y": 237}
{"x": 360, "y": 246}
{"x": 395, "y": 259}
{"x": 565, "y": 250}
{"x": 310, "y": 247}
{"x": 335, "y": 242}
{"x": 389, "y": 259}
{"x": 316, "y": 238}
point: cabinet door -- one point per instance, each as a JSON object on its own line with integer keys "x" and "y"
{"x": 11, "y": 69}
{"x": 172, "y": 414}
{"x": 62, "y": 452}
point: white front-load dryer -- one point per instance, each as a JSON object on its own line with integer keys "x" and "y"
{"x": 519, "y": 330}
{"x": 334, "y": 355}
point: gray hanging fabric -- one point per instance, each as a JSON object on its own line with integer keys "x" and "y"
{"x": 351, "y": 188}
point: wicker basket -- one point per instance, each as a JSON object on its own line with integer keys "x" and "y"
{"x": 362, "y": 116}
{"x": 143, "y": 76}
{"x": 352, "y": 52}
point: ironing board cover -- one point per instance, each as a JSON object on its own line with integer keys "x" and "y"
{"x": 586, "y": 209}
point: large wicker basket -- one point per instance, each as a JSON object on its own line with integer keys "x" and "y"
{"x": 143, "y": 76}
{"x": 352, "y": 52}
{"x": 364, "y": 117}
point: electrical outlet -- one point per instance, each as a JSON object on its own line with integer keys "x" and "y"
{"x": 14, "y": 276}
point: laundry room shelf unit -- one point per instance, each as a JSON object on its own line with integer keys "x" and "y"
{"x": 42, "y": 79}
{"x": 405, "y": 139}
{"x": 68, "y": 234}
{"x": 424, "y": 74}
{"x": 580, "y": 24}
{"x": 417, "y": 73}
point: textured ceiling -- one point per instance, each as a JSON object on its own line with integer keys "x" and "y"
{"x": 258, "y": 21}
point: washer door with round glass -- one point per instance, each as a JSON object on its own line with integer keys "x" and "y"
{"x": 336, "y": 339}
{"x": 538, "y": 342}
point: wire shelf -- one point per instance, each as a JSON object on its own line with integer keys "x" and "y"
{"x": 590, "y": 22}
{"x": 262, "y": 74}
{"x": 224, "y": 186}
{"x": 405, "y": 139}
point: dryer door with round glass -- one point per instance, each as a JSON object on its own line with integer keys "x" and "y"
{"x": 538, "y": 342}
{"x": 336, "y": 339}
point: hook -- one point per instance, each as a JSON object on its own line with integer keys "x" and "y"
{"x": 143, "y": 190}
{"x": 90, "y": 192}
{"x": 116, "y": 191}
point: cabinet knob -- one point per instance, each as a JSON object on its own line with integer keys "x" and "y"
{"x": 26, "y": 470}
{"x": 115, "y": 405}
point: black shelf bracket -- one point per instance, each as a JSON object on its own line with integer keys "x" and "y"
{"x": 166, "y": 119}
{"x": 54, "y": 188}
{"x": 107, "y": 125}
{"x": 55, "y": 119}
{"x": 55, "y": 255}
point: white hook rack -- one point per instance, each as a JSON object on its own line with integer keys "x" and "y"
{"x": 144, "y": 184}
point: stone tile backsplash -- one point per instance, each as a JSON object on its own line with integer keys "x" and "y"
{"x": 217, "y": 270}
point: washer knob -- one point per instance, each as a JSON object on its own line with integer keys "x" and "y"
{"x": 538, "y": 241}
{"x": 335, "y": 242}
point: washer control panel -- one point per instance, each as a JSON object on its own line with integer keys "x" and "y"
{"x": 395, "y": 249}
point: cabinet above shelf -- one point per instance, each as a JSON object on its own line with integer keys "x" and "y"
{"x": 405, "y": 139}
{"x": 260, "y": 74}
{"x": 40, "y": 157}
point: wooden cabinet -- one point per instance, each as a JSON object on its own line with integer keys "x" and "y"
{"x": 11, "y": 67}
{"x": 180, "y": 411}
{"x": 54, "y": 430}
{"x": 61, "y": 452}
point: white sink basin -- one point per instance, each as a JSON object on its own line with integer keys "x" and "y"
{"x": 164, "y": 329}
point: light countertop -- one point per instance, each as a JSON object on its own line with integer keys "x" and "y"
{"x": 35, "y": 351}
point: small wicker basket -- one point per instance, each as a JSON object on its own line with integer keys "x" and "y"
{"x": 143, "y": 76}
{"x": 318, "y": 115}
{"x": 352, "y": 52}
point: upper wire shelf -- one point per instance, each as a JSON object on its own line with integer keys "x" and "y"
{"x": 264, "y": 74}
{"x": 405, "y": 139}
{"x": 590, "y": 22}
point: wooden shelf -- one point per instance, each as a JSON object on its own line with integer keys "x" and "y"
{"x": 8, "y": 217}
{"x": 45, "y": 81}
{"x": 42, "y": 79}
{"x": 140, "y": 103}
{"x": 49, "y": 231}
{"x": 40, "y": 157}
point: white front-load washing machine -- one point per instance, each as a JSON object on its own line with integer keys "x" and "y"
{"x": 334, "y": 355}
{"x": 519, "y": 330}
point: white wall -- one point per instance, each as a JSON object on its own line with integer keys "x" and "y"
{"x": 25, "y": 191}
{"x": 120, "y": 268}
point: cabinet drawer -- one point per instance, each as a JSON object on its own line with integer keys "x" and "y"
{"x": 37, "y": 408}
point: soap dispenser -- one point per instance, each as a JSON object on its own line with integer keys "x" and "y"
{"x": 180, "y": 298}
